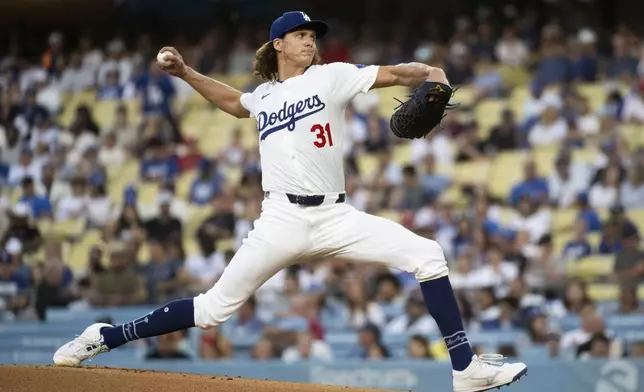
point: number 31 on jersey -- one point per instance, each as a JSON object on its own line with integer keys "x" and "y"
{"x": 323, "y": 135}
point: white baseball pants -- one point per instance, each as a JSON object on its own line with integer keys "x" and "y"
{"x": 287, "y": 233}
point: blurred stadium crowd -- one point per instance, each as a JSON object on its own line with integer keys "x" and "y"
{"x": 119, "y": 186}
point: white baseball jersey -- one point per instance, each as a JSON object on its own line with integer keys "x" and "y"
{"x": 301, "y": 125}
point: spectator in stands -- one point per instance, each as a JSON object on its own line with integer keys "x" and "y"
{"x": 129, "y": 226}
{"x": 14, "y": 289}
{"x": 208, "y": 184}
{"x": 214, "y": 345}
{"x": 245, "y": 324}
{"x": 111, "y": 153}
{"x": 576, "y": 298}
{"x": 585, "y": 60}
{"x": 488, "y": 313}
{"x": 378, "y": 352}
{"x": 100, "y": 209}
{"x": 23, "y": 228}
{"x": 93, "y": 269}
{"x": 23, "y": 114}
{"x": 159, "y": 165}
{"x": 538, "y": 329}
{"x": 531, "y": 218}
{"x": 588, "y": 214}
{"x": 75, "y": 206}
{"x": 410, "y": 196}
{"x": 532, "y": 185}
{"x": 120, "y": 285}
{"x": 605, "y": 194}
{"x": 203, "y": 269}
{"x": 620, "y": 219}
{"x": 511, "y": 51}
{"x": 222, "y": 223}
{"x": 555, "y": 67}
{"x": 157, "y": 93}
{"x": 578, "y": 247}
{"x": 631, "y": 193}
{"x": 167, "y": 347}
{"x": 588, "y": 122}
{"x": 52, "y": 184}
{"x": 76, "y": 78}
{"x": 418, "y": 348}
{"x": 628, "y": 301}
{"x": 307, "y": 349}
{"x": 164, "y": 276}
{"x": 117, "y": 60}
{"x": 622, "y": 64}
{"x": 551, "y": 128}
{"x": 610, "y": 242}
{"x": 234, "y": 153}
{"x": 572, "y": 341}
{"x": 263, "y": 350}
{"x": 503, "y": 137}
{"x": 44, "y": 135}
{"x": 487, "y": 82}
{"x": 82, "y": 123}
{"x": 165, "y": 225}
{"x": 433, "y": 183}
{"x": 27, "y": 167}
{"x": 629, "y": 262}
{"x": 378, "y": 133}
{"x": 127, "y": 135}
{"x": 241, "y": 56}
{"x": 40, "y": 205}
{"x": 55, "y": 288}
{"x": 110, "y": 89}
{"x": 414, "y": 320}
{"x": 361, "y": 310}
{"x": 567, "y": 181}
{"x": 368, "y": 336}
{"x": 634, "y": 105}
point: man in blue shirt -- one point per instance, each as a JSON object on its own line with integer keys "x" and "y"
{"x": 156, "y": 91}
{"x": 40, "y": 205}
{"x": 208, "y": 184}
{"x": 159, "y": 165}
{"x": 14, "y": 288}
{"x": 533, "y": 186}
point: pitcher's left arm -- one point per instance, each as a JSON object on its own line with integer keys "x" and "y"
{"x": 408, "y": 74}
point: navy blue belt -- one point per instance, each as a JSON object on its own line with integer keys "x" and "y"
{"x": 310, "y": 200}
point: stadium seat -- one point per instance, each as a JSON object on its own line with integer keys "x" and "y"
{"x": 591, "y": 267}
{"x": 563, "y": 219}
{"x": 475, "y": 172}
{"x": 637, "y": 216}
{"x": 488, "y": 114}
{"x": 506, "y": 171}
{"x": 59, "y": 231}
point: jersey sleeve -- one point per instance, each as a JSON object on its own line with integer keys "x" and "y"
{"x": 248, "y": 102}
{"x": 348, "y": 80}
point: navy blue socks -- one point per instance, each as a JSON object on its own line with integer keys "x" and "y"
{"x": 442, "y": 306}
{"x": 173, "y": 316}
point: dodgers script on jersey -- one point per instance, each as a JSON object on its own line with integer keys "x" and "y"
{"x": 301, "y": 125}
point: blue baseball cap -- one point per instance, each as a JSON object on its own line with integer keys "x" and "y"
{"x": 292, "y": 20}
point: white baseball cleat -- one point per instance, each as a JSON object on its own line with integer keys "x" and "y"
{"x": 85, "y": 347}
{"x": 487, "y": 372}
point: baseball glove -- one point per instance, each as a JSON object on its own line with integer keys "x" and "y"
{"x": 424, "y": 110}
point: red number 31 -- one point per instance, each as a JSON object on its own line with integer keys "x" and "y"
{"x": 323, "y": 135}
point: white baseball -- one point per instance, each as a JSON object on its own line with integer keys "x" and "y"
{"x": 161, "y": 58}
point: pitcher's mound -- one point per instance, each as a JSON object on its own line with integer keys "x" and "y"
{"x": 94, "y": 379}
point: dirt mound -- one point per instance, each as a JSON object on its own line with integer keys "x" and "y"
{"x": 95, "y": 379}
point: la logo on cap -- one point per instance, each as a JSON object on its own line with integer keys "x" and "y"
{"x": 306, "y": 17}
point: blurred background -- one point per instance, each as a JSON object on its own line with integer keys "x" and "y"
{"x": 121, "y": 189}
